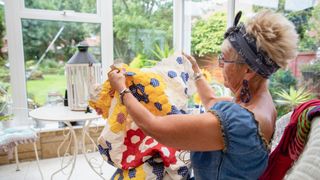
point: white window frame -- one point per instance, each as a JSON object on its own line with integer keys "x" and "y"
{"x": 178, "y": 24}
{"x": 15, "y": 11}
{"x": 182, "y": 31}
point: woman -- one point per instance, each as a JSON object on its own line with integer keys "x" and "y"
{"x": 231, "y": 139}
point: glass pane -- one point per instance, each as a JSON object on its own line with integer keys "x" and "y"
{"x": 5, "y": 88}
{"x": 205, "y": 22}
{"x": 142, "y": 31}
{"x": 45, "y": 63}
{"x": 83, "y": 6}
{"x": 303, "y": 71}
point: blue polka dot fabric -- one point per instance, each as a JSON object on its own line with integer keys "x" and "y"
{"x": 158, "y": 106}
{"x": 179, "y": 60}
{"x": 154, "y": 82}
{"x": 184, "y": 77}
{"x": 172, "y": 74}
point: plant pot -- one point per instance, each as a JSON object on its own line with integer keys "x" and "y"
{"x": 307, "y": 75}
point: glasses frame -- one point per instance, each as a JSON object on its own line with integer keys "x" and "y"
{"x": 221, "y": 60}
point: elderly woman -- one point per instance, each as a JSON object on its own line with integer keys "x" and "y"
{"x": 231, "y": 139}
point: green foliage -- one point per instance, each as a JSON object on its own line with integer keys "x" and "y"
{"x": 314, "y": 24}
{"x": 141, "y": 61}
{"x": 38, "y": 89}
{"x": 88, "y": 6}
{"x": 161, "y": 54}
{"x": 294, "y": 97}
{"x": 207, "y": 35}
{"x": 140, "y": 24}
{"x": 4, "y": 71}
{"x": 281, "y": 80}
{"x": 5, "y": 117}
{"x": 2, "y": 34}
{"x": 306, "y": 21}
{"x": 50, "y": 66}
{"x": 4, "y": 74}
{"x": 314, "y": 67}
{"x": 37, "y": 35}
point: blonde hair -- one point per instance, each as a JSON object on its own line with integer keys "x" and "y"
{"x": 274, "y": 34}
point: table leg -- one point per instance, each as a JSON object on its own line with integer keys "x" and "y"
{"x": 93, "y": 162}
{"x": 75, "y": 151}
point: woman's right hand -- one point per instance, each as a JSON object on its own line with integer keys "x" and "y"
{"x": 193, "y": 62}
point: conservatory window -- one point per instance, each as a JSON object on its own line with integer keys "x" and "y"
{"x": 86, "y": 6}
{"x": 143, "y": 31}
{"x": 43, "y": 36}
{"x": 48, "y": 45}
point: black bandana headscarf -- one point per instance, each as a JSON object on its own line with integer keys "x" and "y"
{"x": 245, "y": 45}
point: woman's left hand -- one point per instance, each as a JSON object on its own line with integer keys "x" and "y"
{"x": 117, "y": 79}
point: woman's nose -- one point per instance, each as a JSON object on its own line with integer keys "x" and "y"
{"x": 220, "y": 63}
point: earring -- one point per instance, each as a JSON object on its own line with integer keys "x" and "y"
{"x": 245, "y": 95}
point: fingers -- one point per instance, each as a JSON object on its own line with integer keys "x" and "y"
{"x": 190, "y": 58}
{"x": 116, "y": 72}
{"x": 113, "y": 67}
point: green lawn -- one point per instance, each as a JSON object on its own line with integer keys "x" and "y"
{"x": 40, "y": 88}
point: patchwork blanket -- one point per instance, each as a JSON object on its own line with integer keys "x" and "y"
{"x": 164, "y": 90}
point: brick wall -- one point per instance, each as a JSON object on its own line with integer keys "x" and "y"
{"x": 48, "y": 144}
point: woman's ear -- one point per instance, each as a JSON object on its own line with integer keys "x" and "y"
{"x": 249, "y": 74}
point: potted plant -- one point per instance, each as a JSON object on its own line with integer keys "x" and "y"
{"x": 311, "y": 71}
{"x": 294, "y": 97}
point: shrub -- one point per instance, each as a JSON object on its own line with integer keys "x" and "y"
{"x": 207, "y": 35}
{"x": 281, "y": 80}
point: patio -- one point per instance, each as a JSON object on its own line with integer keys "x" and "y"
{"x": 48, "y": 166}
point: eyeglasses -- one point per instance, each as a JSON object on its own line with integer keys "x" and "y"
{"x": 222, "y": 60}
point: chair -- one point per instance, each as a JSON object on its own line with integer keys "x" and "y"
{"x": 308, "y": 164}
{"x": 11, "y": 138}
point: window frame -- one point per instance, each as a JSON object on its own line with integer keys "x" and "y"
{"x": 15, "y": 11}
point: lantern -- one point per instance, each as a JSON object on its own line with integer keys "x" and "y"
{"x": 83, "y": 73}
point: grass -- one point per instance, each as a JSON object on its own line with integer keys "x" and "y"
{"x": 39, "y": 88}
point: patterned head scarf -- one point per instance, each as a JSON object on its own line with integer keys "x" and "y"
{"x": 246, "y": 47}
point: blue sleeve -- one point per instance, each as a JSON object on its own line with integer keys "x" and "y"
{"x": 239, "y": 128}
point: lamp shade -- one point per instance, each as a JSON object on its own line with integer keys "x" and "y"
{"x": 83, "y": 73}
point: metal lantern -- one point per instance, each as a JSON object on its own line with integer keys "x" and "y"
{"x": 83, "y": 73}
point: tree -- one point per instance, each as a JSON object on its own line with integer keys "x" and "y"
{"x": 314, "y": 24}
{"x": 207, "y": 35}
{"x": 2, "y": 34}
{"x": 306, "y": 22}
{"x": 38, "y": 34}
{"x": 136, "y": 19}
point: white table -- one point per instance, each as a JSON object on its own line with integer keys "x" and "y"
{"x": 65, "y": 115}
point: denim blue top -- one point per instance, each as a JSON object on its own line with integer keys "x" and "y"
{"x": 245, "y": 155}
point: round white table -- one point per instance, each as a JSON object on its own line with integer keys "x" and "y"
{"x": 65, "y": 115}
